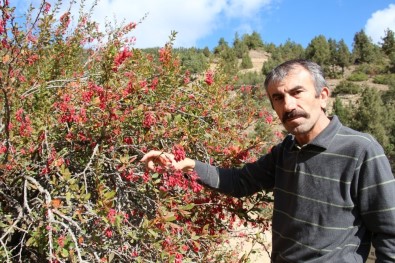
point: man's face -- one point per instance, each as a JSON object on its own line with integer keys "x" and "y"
{"x": 298, "y": 105}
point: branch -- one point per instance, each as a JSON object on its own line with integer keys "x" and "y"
{"x": 87, "y": 167}
{"x": 48, "y": 201}
{"x": 57, "y": 212}
{"x": 72, "y": 237}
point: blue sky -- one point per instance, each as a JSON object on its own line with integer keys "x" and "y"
{"x": 202, "y": 23}
{"x": 302, "y": 20}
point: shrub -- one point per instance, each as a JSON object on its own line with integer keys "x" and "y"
{"x": 346, "y": 87}
{"x": 79, "y": 109}
{"x": 386, "y": 79}
{"x": 358, "y": 76}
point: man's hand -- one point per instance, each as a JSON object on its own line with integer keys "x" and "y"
{"x": 153, "y": 158}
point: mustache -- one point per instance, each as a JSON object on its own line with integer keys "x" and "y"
{"x": 294, "y": 114}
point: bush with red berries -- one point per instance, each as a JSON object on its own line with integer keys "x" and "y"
{"x": 79, "y": 108}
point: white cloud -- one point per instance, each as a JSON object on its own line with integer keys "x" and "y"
{"x": 191, "y": 19}
{"x": 379, "y": 22}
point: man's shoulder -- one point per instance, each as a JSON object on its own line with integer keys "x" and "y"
{"x": 348, "y": 134}
{"x": 350, "y": 140}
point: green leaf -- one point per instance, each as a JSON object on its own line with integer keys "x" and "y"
{"x": 68, "y": 196}
{"x": 170, "y": 218}
{"x": 153, "y": 233}
{"x": 177, "y": 118}
{"x": 87, "y": 196}
{"x": 155, "y": 175}
{"x": 64, "y": 253}
{"x": 187, "y": 207}
{"x": 109, "y": 195}
{"x": 31, "y": 242}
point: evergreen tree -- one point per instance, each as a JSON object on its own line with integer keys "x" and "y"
{"x": 344, "y": 113}
{"x": 206, "y": 52}
{"x": 291, "y": 50}
{"x": 392, "y": 62}
{"x": 364, "y": 51}
{"x": 246, "y": 61}
{"x": 318, "y": 50}
{"x": 371, "y": 117}
{"x": 253, "y": 41}
{"x": 228, "y": 61}
{"x": 222, "y": 45}
{"x": 332, "y": 61}
{"x": 192, "y": 59}
{"x": 239, "y": 46}
{"x": 388, "y": 45}
{"x": 343, "y": 55}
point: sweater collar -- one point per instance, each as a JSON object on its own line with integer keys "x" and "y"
{"x": 324, "y": 139}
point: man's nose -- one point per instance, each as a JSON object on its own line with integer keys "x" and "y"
{"x": 289, "y": 103}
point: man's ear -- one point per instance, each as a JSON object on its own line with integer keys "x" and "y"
{"x": 324, "y": 96}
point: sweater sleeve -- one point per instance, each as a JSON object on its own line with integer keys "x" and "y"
{"x": 238, "y": 182}
{"x": 376, "y": 191}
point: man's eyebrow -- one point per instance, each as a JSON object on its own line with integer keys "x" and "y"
{"x": 296, "y": 88}
{"x": 276, "y": 94}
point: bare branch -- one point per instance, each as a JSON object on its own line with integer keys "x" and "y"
{"x": 87, "y": 167}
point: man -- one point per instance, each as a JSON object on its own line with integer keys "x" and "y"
{"x": 334, "y": 192}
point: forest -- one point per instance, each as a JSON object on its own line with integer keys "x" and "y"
{"x": 79, "y": 107}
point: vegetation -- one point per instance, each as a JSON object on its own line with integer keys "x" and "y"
{"x": 79, "y": 107}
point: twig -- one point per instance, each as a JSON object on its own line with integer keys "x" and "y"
{"x": 51, "y": 219}
{"x": 72, "y": 237}
{"x": 57, "y": 212}
{"x": 25, "y": 202}
{"x": 87, "y": 167}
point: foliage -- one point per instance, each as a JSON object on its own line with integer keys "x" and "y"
{"x": 386, "y": 79}
{"x": 345, "y": 113}
{"x": 371, "y": 117}
{"x": 79, "y": 107}
{"x": 357, "y": 76}
{"x": 246, "y": 62}
{"x": 253, "y": 41}
{"x": 318, "y": 50}
{"x": 340, "y": 56}
{"x": 290, "y": 50}
{"x": 222, "y": 45}
{"x": 192, "y": 59}
{"x": 346, "y": 87}
{"x": 391, "y": 66}
{"x": 228, "y": 61}
{"x": 388, "y": 45}
{"x": 251, "y": 78}
{"x": 239, "y": 46}
{"x": 364, "y": 50}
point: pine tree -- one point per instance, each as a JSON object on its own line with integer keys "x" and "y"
{"x": 343, "y": 56}
{"x": 371, "y": 117}
{"x": 246, "y": 61}
{"x": 364, "y": 51}
{"x": 344, "y": 113}
{"x": 318, "y": 50}
{"x": 388, "y": 45}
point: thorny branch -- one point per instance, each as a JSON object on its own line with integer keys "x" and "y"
{"x": 87, "y": 167}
